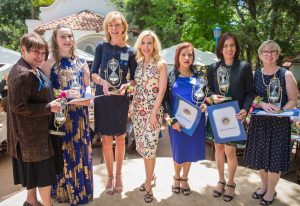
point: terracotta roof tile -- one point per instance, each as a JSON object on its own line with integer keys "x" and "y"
{"x": 84, "y": 20}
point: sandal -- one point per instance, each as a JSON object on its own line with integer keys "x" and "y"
{"x": 174, "y": 188}
{"x": 216, "y": 193}
{"x": 256, "y": 195}
{"x": 119, "y": 188}
{"x": 153, "y": 184}
{"x": 267, "y": 202}
{"x": 148, "y": 197}
{"x": 228, "y": 198}
{"x": 185, "y": 191}
{"x": 109, "y": 186}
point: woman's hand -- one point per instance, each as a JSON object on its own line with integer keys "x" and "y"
{"x": 105, "y": 87}
{"x": 203, "y": 107}
{"x": 176, "y": 126}
{"x": 241, "y": 115}
{"x": 153, "y": 122}
{"x": 55, "y": 105}
{"x": 123, "y": 89}
{"x": 218, "y": 98}
{"x": 268, "y": 107}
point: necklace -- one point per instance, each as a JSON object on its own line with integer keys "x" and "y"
{"x": 263, "y": 79}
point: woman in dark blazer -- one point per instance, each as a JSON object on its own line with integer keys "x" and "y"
{"x": 240, "y": 89}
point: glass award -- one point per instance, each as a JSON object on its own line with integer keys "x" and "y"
{"x": 223, "y": 81}
{"x": 113, "y": 75}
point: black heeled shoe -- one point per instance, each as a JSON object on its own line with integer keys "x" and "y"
{"x": 148, "y": 197}
{"x": 176, "y": 189}
{"x": 153, "y": 184}
{"x": 267, "y": 202}
{"x": 216, "y": 193}
{"x": 256, "y": 195}
{"x": 228, "y": 198}
{"x": 185, "y": 191}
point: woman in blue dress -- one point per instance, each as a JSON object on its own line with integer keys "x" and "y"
{"x": 70, "y": 74}
{"x": 268, "y": 145}
{"x": 185, "y": 149}
{"x": 114, "y": 59}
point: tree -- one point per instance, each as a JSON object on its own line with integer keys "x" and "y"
{"x": 12, "y": 24}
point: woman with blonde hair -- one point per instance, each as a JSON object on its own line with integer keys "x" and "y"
{"x": 113, "y": 60}
{"x": 147, "y": 111}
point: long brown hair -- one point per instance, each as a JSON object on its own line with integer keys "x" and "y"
{"x": 178, "y": 50}
{"x": 54, "y": 46}
{"x": 221, "y": 43}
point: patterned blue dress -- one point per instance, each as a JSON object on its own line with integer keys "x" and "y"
{"x": 268, "y": 144}
{"x": 75, "y": 185}
{"x": 186, "y": 148}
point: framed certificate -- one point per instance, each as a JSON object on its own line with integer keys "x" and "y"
{"x": 225, "y": 126}
{"x": 187, "y": 114}
{"x": 280, "y": 113}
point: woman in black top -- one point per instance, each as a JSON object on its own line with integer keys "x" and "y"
{"x": 240, "y": 89}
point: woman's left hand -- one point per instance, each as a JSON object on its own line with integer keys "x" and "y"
{"x": 123, "y": 89}
{"x": 203, "y": 107}
{"x": 241, "y": 115}
{"x": 82, "y": 103}
{"x": 153, "y": 122}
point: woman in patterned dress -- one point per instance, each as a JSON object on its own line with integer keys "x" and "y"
{"x": 75, "y": 184}
{"x": 268, "y": 145}
{"x": 114, "y": 59}
{"x": 147, "y": 111}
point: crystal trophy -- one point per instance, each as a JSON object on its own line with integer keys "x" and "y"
{"x": 274, "y": 92}
{"x": 223, "y": 81}
{"x": 60, "y": 119}
{"x": 113, "y": 75}
{"x": 199, "y": 90}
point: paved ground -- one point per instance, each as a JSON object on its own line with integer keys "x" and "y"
{"x": 202, "y": 180}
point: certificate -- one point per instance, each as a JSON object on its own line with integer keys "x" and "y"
{"x": 86, "y": 97}
{"x": 187, "y": 114}
{"x": 225, "y": 126}
{"x": 280, "y": 113}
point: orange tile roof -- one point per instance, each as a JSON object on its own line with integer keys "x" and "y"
{"x": 84, "y": 20}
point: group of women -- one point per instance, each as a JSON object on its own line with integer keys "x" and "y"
{"x": 62, "y": 165}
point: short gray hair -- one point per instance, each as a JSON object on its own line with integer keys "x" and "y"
{"x": 270, "y": 43}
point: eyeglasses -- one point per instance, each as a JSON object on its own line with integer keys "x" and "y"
{"x": 272, "y": 52}
{"x": 36, "y": 52}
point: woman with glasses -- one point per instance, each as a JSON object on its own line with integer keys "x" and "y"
{"x": 268, "y": 144}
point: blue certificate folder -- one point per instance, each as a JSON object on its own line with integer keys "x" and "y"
{"x": 187, "y": 114}
{"x": 225, "y": 126}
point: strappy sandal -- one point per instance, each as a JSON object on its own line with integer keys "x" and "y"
{"x": 256, "y": 195}
{"x": 176, "y": 189}
{"x": 153, "y": 184}
{"x": 266, "y": 202}
{"x": 119, "y": 188}
{"x": 109, "y": 186}
{"x": 185, "y": 191}
{"x": 148, "y": 197}
{"x": 216, "y": 193}
{"x": 228, "y": 198}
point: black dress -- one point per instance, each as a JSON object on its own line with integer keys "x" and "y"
{"x": 268, "y": 144}
{"x": 111, "y": 112}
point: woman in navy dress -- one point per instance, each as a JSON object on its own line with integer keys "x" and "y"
{"x": 185, "y": 149}
{"x": 113, "y": 60}
{"x": 75, "y": 183}
{"x": 240, "y": 89}
{"x": 268, "y": 145}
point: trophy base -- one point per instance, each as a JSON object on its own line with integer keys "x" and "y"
{"x": 57, "y": 133}
{"x": 114, "y": 91}
{"x": 226, "y": 98}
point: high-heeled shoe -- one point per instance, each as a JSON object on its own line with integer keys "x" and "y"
{"x": 119, "y": 187}
{"x": 267, "y": 202}
{"x": 217, "y": 193}
{"x": 148, "y": 197}
{"x": 228, "y": 198}
{"x": 110, "y": 186}
{"x": 153, "y": 184}
{"x": 256, "y": 195}
{"x": 185, "y": 191}
{"x": 176, "y": 189}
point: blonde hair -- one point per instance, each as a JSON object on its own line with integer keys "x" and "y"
{"x": 115, "y": 16}
{"x": 54, "y": 46}
{"x": 271, "y": 44}
{"x": 156, "y": 54}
